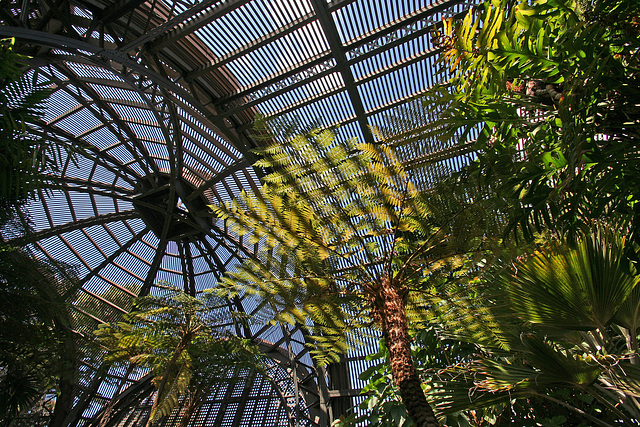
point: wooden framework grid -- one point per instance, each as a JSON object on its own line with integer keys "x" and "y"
{"x": 164, "y": 94}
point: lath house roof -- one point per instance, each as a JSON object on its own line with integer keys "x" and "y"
{"x": 163, "y": 94}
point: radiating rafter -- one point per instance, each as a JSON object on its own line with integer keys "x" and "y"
{"x": 356, "y": 50}
{"x": 262, "y": 41}
{"x": 101, "y": 57}
{"x": 155, "y": 266}
{"x": 108, "y": 261}
{"x": 243, "y": 163}
{"x": 87, "y": 184}
{"x": 337, "y": 48}
{"x": 74, "y": 225}
{"x": 194, "y": 24}
{"x": 122, "y": 126}
{"x": 151, "y": 36}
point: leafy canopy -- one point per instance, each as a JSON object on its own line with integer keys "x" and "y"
{"x": 563, "y": 313}
{"x": 550, "y": 88}
{"x": 176, "y": 337}
{"x": 332, "y": 219}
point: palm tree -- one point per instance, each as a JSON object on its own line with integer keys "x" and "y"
{"x": 347, "y": 239}
{"x": 24, "y": 153}
{"x": 36, "y": 295}
{"x": 29, "y": 156}
{"x": 547, "y": 93}
{"x": 176, "y": 336}
{"x": 39, "y": 350}
{"x": 569, "y": 320}
{"x": 217, "y": 361}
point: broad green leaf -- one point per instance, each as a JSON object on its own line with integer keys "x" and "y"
{"x": 628, "y": 315}
{"x": 575, "y": 288}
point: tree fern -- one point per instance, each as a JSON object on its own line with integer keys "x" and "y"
{"x": 176, "y": 336}
{"x": 343, "y": 226}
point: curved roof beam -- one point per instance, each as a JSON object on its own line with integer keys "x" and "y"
{"x": 402, "y": 30}
{"x": 104, "y": 106}
{"x": 263, "y": 41}
{"x": 185, "y": 29}
{"x": 102, "y": 57}
{"x": 143, "y": 388}
{"x": 74, "y": 225}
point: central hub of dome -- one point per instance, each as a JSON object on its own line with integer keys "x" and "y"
{"x": 180, "y": 212}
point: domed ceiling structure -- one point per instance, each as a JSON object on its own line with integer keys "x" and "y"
{"x": 162, "y": 95}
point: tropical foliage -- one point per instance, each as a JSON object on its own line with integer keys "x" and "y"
{"x": 432, "y": 354}
{"x": 547, "y": 339}
{"x": 24, "y": 153}
{"x": 182, "y": 341}
{"x": 563, "y": 318}
{"x": 552, "y": 88}
{"x": 38, "y": 350}
{"x": 547, "y": 91}
{"x": 348, "y": 239}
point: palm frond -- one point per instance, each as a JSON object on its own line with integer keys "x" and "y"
{"x": 628, "y": 315}
{"x": 177, "y": 336}
{"x": 578, "y": 288}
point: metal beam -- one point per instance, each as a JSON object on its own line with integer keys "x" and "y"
{"x": 356, "y": 50}
{"x": 161, "y": 30}
{"x": 136, "y": 392}
{"x": 243, "y": 163}
{"x": 86, "y": 184}
{"x": 262, "y": 41}
{"x": 122, "y": 126}
{"x": 190, "y": 287}
{"x": 155, "y": 266}
{"x": 107, "y": 261}
{"x": 338, "y": 50}
{"x": 74, "y": 225}
{"x": 303, "y": 71}
{"x": 360, "y": 80}
{"x": 84, "y": 400}
{"x": 105, "y": 160}
{"x": 102, "y": 57}
{"x": 116, "y": 11}
{"x": 195, "y": 24}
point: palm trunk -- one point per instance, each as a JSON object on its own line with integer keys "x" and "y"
{"x": 389, "y": 311}
{"x": 107, "y": 412}
{"x": 64, "y": 400}
{"x": 193, "y": 401}
{"x": 163, "y": 382}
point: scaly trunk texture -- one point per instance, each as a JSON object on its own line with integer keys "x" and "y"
{"x": 64, "y": 400}
{"x": 389, "y": 311}
{"x": 107, "y": 412}
{"x": 193, "y": 399}
{"x": 163, "y": 382}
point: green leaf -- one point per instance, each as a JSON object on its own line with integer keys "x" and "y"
{"x": 629, "y": 313}
{"x": 559, "y": 366}
{"x": 574, "y": 288}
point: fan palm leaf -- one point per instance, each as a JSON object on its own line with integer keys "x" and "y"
{"x": 549, "y": 323}
{"x": 628, "y": 315}
{"x": 578, "y": 288}
{"x": 348, "y": 239}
